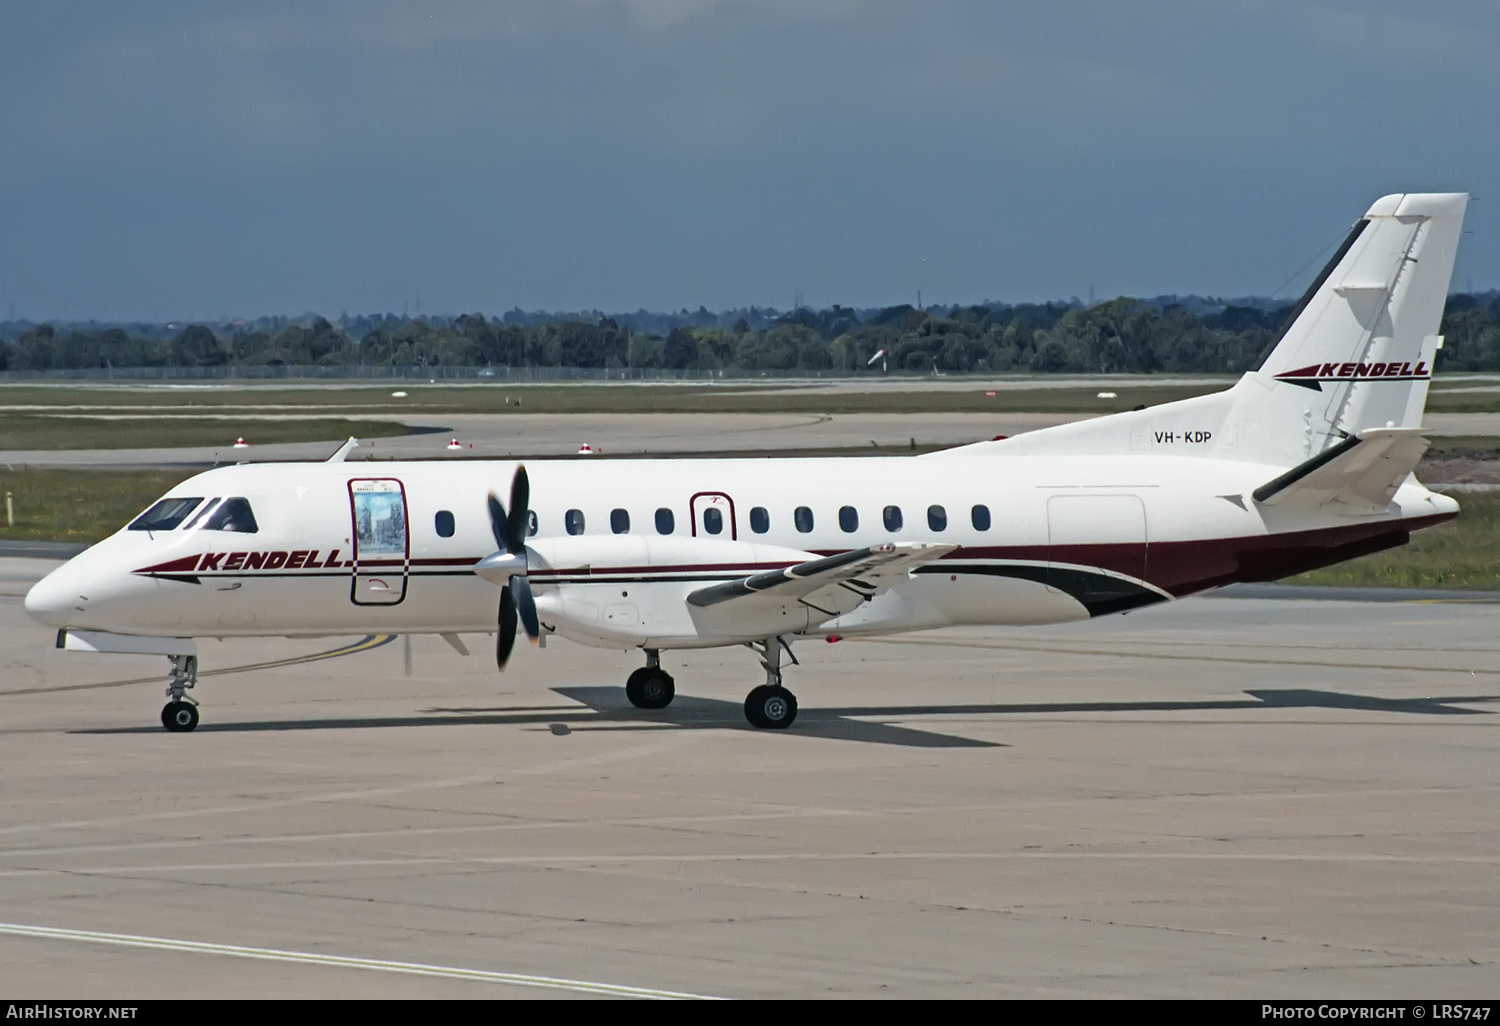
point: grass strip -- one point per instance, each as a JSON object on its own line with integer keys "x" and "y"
{"x": 79, "y": 505}
{"x": 438, "y": 400}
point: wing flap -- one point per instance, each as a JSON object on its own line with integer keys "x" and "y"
{"x": 865, "y": 572}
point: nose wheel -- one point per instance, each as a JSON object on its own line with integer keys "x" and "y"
{"x": 180, "y": 715}
{"x": 650, "y": 687}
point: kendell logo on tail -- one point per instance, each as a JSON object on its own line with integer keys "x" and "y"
{"x": 1314, "y": 374}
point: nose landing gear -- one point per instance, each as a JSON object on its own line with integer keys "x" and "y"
{"x": 181, "y": 713}
{"x": 650, "y": 687}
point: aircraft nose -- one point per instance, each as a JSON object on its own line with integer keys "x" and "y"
{"x": 51, "y": 600}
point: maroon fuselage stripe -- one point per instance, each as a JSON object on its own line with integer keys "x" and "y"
{"x": 1177, "y": 567}
{"x": 1184, "y": 567}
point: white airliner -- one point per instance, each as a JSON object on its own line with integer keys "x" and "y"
{"x": 1305, "y": 462}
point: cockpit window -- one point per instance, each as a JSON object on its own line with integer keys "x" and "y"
{"x": 232, "y": 515}
{"x": 165, "y": 515}
{"x": 203, "y": 511}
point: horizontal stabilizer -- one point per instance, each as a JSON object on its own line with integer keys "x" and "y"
{"x": 1362, "y": 470}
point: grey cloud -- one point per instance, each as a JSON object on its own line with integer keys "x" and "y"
{"x": 654, "y": 152}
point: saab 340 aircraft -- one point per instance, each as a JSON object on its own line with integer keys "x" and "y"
{"x": 1304, "y": 462}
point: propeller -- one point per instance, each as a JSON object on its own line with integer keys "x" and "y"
{"x": 507, "y": 567}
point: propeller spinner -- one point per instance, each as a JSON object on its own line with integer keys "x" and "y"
{"x": 507, "y": 567}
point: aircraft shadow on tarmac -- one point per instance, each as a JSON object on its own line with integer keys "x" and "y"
{"x": 606, "y": 709}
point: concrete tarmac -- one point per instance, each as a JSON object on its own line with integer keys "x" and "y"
{"x": 1249, "y": 798}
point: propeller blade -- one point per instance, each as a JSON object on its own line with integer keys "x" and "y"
{"x": 498, "y": 523}
{"x": 526, "y": 606}
{"x": 406, "y": 653}
{"x": 505, "y": 637}
{"x": 520, "y": 506}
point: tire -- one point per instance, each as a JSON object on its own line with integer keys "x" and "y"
{"x": 179, "y": 717}
{"x": 770, "y": 707}
{"x": 649, "y": 688}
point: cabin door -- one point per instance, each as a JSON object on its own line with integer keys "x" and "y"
{"x": 713, "y": 516}
{"x": 382, "y": 542}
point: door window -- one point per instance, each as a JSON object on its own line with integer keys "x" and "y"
{"x": 379, "y": 519}
{"x": 381, "y": 541}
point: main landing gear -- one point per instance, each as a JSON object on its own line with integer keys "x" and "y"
{"x": 771, "y": 706}
{"x": 181, "y": 713}
{"x": 650, "y": 687}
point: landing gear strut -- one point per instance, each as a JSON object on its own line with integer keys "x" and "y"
{"x": 771, "y": 706}
{"x": 181, "y": 713}
{"x": 650, "y": 687}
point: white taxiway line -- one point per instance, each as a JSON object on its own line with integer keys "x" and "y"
{"x": 309, "y": 958}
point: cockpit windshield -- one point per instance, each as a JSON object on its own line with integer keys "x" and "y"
{"x": 232, "y": 515}
{"x": 165, "y": 515}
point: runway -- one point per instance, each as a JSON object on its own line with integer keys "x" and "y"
{"x": 624, "y": 434}
{"x": 499, "y": 436}
{"x": 1263, "y": 797}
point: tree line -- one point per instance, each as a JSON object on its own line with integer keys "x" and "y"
{"x": 1121, "y": 335}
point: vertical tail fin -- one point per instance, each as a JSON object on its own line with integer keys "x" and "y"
{"x": 1356, "y": 356}
{"x": 1361, "y": 345}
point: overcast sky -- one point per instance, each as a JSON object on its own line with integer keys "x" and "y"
{"x": 174, "y": 160}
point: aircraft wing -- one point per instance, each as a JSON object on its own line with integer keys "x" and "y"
{"x": 781, "y": 601}
{"x": 1362, "y": 470}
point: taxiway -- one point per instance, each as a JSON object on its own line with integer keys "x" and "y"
{"x": 1251, "y": 798}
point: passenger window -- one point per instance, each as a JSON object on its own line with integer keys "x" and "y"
{"x": 802, "y": 519}
{"x": 979, "y": 516}
{"x": 530, "y": 522}
{"x": 619, "y": 521}
{"x": 892, "y": 517}
{"x": 443, "y": 522}
{"x": 666, "y": 523}
{"x": 848, "y": 519}
{"x": 165, "y": 515}
{"x": 232, "y": 515}
{"x": 713, "y": 521}
{"x": 760, "y": 520}
{"x": 573, "y": 521}
{"x": 937, "y": 518}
